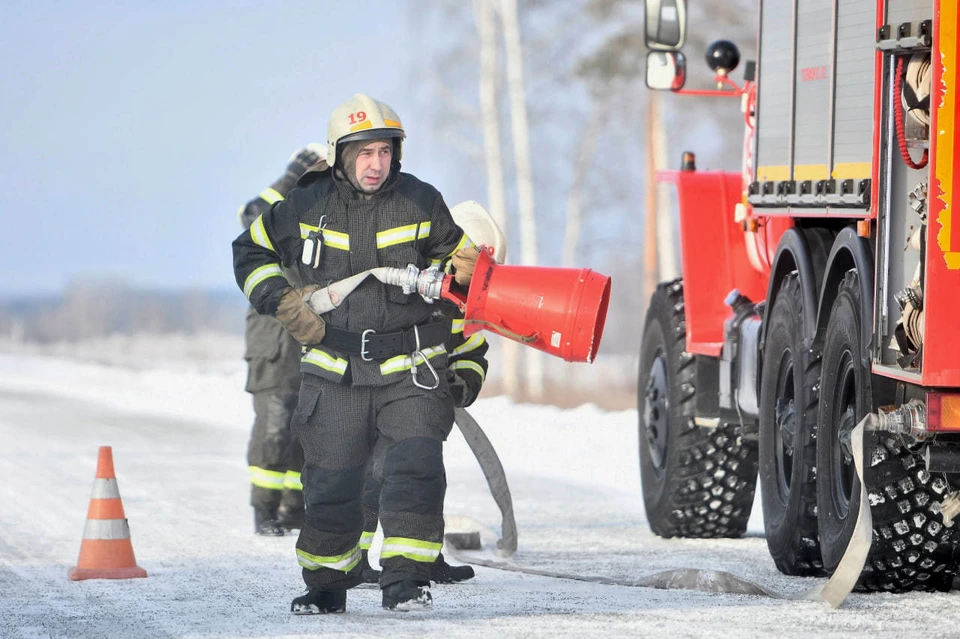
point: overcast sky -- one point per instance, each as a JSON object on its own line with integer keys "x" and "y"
{"x": 132, "y": 131}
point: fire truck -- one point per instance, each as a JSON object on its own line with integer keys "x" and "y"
{"x": 820, "y": 286}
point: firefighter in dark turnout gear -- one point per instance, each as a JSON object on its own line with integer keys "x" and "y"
{"x": 274, "y": 456}
{"x": 466, "y": 372}
{"x": 374, "y": 368}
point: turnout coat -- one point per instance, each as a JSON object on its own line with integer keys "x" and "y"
{"x": 405, "y": 222}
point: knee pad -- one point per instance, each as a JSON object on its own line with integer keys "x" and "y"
{"x": 332, "y": 498}
{"x": 413, "y": 476}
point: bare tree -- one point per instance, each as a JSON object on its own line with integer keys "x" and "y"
{"x": 584, "y": 162}
{"x": 493, "y": 149}
{"x": 513, "y": 49}
{"x": 575, "y": 52}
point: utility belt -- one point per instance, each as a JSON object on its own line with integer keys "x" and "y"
{"x": 371, "y": 345}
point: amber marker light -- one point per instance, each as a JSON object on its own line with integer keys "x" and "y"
{"x": 943, "y": 412}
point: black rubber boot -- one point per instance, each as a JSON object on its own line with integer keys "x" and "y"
{"x": 320, "y": 602}
{"x": 443, "y": 573}
{"x": 405, "y": 596}
{"x": 369, "y": 574}
{"x": 291, "y": 511}
{"x": 265, "y": 523}
{"x": 290, "y": 519}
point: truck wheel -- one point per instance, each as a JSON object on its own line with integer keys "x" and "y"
{"x": 847, "y": 397}
{"x": 911, "y": 548}
{"x": 696, "y": 482}
{"x": 788, "y": 451}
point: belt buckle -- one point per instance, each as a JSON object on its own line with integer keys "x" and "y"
{"x": 364, "y": 340}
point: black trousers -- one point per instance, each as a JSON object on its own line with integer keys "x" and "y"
{"x": 273, "y": 378}
{"x": 397, "y": 432}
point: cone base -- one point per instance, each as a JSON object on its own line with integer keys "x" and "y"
{"x": 133, "y": 572}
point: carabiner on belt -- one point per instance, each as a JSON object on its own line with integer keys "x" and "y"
{"x": 413, "y": 365}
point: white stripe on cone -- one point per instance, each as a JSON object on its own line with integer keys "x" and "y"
{"x": 105, "y": 489}
{"x": 106, "y": 529}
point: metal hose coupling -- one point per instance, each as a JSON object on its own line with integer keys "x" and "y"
{"x": 908, "y": 419}
{"x": 411, "y": 279}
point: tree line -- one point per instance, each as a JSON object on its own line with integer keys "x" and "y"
{"x": 90, "y": 309}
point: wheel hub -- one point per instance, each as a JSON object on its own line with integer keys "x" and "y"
{"x": 847, "y": 422}
{"x": 787, "y": 424}
{"x": 785, "y": 437}
{"x": 843, "y": 419}
{"x": 845, "y": 472}
{"x": 656, "y": 412}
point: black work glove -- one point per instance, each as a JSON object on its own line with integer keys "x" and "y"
{"x": 462, "y": 393}
{"x": 299, "y": 163}
{"x": 302, "y": 160}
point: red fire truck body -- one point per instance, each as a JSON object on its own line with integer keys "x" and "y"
{"x": 820, "y": 284}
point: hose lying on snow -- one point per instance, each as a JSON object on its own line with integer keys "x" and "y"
{"x": 834, "y": 591}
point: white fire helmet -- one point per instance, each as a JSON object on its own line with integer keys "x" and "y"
{"x": 362, "y": 118}
{"x": 481, "y": 228}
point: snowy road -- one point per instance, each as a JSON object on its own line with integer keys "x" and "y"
{"x": 179, "y": 439}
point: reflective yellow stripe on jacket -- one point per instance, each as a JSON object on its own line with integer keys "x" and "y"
{"x": 333, "y": 239}
{"x": 324, "y": 360}
{"x": 464, "y": 243}
{"x": 259, "y": 234}
{"x": 270, "y": 195}
{"x": 473, "y": 342}
{"x": 404, "y": 362}
{"x": 402, "y": 234}
{"x": 467, "y": 364}
{"x": 260, "y": 275}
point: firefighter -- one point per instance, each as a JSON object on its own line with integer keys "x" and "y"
{"x": 273, "y": 359}
{"x": 374, "y": 368}
{"x": 274, "y": 457}
{"x": 466, "y": 371}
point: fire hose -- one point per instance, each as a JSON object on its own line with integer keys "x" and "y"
{"x": 466, "y": 545}
{"x": 834, "y": 591}
{"x": 428, "y": 283}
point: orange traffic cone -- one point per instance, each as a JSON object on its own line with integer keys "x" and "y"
{"x": 106, "y": 551}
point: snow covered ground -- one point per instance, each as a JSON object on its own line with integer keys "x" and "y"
{"x": 179, "y": 426}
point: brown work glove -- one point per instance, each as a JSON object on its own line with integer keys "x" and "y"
{"x": 299, "y": 319}
{"x": 464, "y": 261}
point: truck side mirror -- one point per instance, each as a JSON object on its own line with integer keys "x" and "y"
{"x": 666, "y": 70}
{"x": 666, "y": 24}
